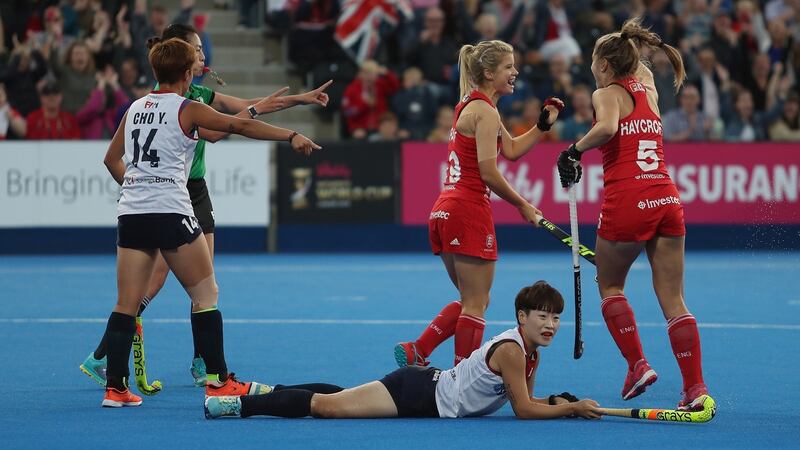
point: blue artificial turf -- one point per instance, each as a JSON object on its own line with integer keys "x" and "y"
{"x": 335, "y": 318}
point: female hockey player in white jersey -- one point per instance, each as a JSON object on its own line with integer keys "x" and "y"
{"x": 157, "y": 138}
{"x": 502, "y": 369}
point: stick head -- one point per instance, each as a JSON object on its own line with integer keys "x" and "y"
{"x": 708, "y": 411}
{"x": 150, "y": 390}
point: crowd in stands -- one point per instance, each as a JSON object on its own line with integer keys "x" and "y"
{"x": 742, "y": 59}
{"x": 69, "y": 67}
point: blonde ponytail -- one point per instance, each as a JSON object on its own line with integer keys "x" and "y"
{"x": 465, "y": 56}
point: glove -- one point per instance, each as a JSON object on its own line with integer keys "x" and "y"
{"x": 543, "y": 123}
{"x": 569, "y": 166}
{"x": 565, "y": 395}
{"x": 568, "y": 397}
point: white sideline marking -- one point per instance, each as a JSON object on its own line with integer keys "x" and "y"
{"x": 372, "y": 268}
{"x": 794, "y": 302}
{"x": 724, "y": 326}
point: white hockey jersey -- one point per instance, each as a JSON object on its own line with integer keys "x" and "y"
{"x": 472, "y": 388}
{"x": 158, "y": 156}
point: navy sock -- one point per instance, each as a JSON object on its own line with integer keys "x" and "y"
{"x": 285, "y": 403}
{"x": 119, "y": 331}
{"x": 317, "y": 388}
{"x": 207, "y": 331}
{"x": 102, "y": 347}
{"x": 143, "y": 305}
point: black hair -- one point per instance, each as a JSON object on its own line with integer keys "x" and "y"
{"x": 539, "y": 296}
{"x": 173, "y": 30}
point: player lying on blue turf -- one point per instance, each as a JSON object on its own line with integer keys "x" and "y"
{"x": 501, "y": 370}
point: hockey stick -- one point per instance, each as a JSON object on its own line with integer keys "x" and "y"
{"x": 561, "y": 235}
{"x": 667, "y": 415}
{"x": 139, "y": 369}
{"x": 576, "y": 266}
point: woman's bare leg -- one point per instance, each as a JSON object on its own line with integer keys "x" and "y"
{"x": 474, "y": 276}
{"x": 666, "y": 256}
{"x": 365, "y": 401}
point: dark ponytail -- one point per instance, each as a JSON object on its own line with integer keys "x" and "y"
{"x": 151, "y": 42}
{"x": 173, "y": 30}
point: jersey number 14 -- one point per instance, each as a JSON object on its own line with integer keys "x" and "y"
{"x": 146, "y": 152}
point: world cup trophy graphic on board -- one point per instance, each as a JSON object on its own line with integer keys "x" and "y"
{"x": 302, "y": 184}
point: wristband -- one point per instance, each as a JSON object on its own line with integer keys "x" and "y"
{"x": 291, "y": 136}
{"x": 252, "y": 110}
{"x": 542, "y": 124}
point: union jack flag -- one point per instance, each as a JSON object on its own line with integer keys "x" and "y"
{"x": 358, "y": 27}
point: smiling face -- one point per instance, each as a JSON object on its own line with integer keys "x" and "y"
{"x": 539, "y": 327}
{"x": 503, "y": 78}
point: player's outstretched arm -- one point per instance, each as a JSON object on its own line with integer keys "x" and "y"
{"x": 115, "y": 152}
{"x": 196, "y": 114}
{"x": 517, "y": 147}
{"x": 277, "y": 101}
{"x": 272, "y": 103}
{"x": 313, "y": 97}
{"x": 261, "y": 107}
{"x": 509, "y": 360}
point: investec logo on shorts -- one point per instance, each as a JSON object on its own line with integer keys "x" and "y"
{"x": 439, "y": 215}
{"x": 649, "y": 204}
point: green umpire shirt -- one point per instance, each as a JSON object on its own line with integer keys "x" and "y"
{"x": 205, "y": 95}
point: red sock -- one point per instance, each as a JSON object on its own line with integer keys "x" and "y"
{"x": 439, "y": 330}
{"x": 469, "y": 334}
{"x": 685, "y": 342}
{"x": 622, "y": 326}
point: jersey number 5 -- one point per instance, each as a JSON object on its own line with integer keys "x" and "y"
{"x": 147, "y": 153}
{"x": 647, "y": 150}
